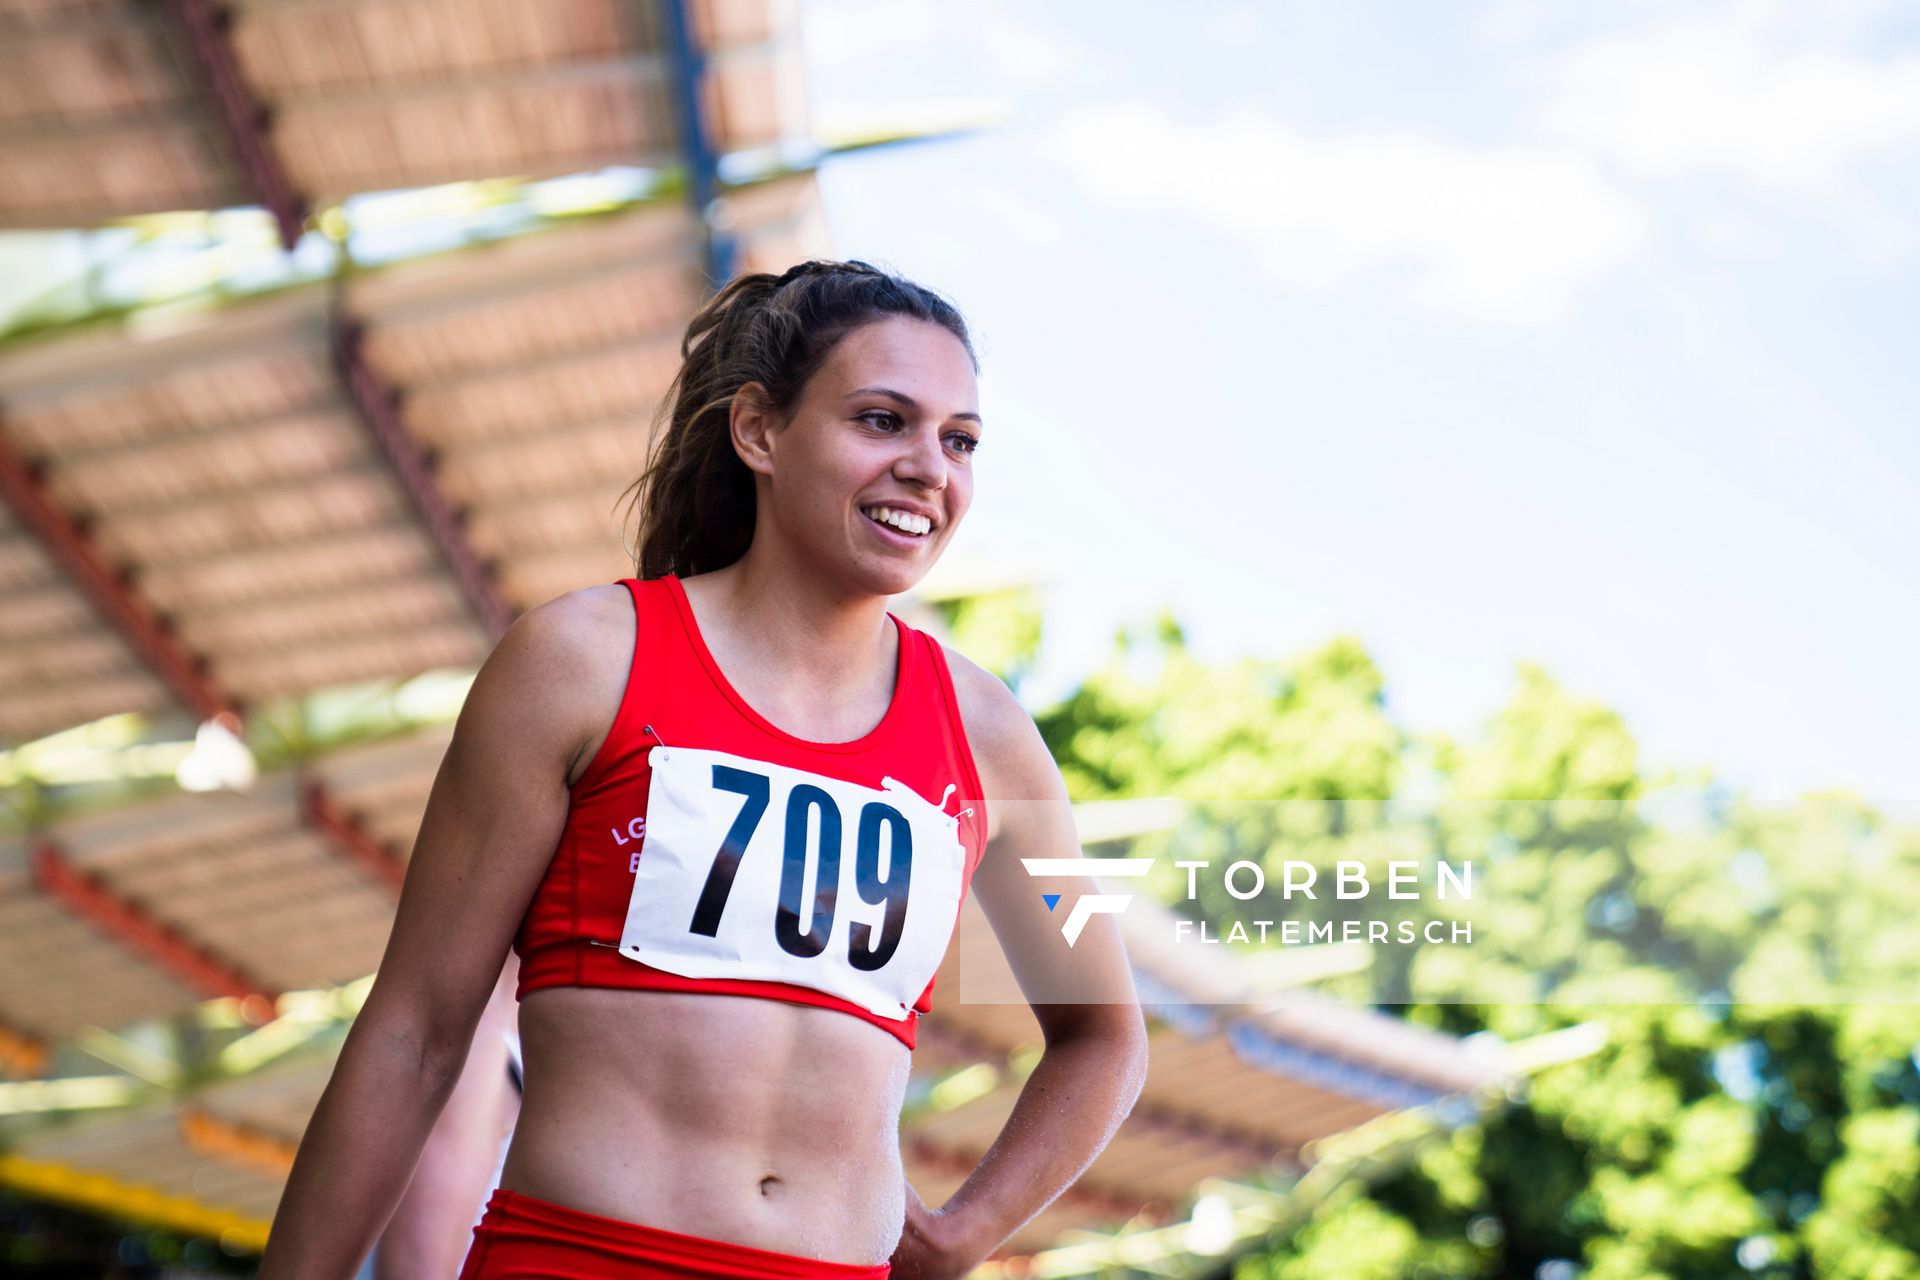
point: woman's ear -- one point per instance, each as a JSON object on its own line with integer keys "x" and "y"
{"x": 750, "y": 421}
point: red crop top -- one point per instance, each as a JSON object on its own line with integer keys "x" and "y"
{"x": 720, "y": 853}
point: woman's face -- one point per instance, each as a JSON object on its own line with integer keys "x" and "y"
{"x": 873, "y": 472}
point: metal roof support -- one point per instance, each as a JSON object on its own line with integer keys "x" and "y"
{"x": 1156, "y": 1118}
{"x": 110, "y": 1197}
{"x": 149, "y": 634}
{"x": 130, "y": 924}
{"x": 238, "y": 1144}
{"x": 242, "y": 117}
{"x": 958, "y": 1043}
{"x": 696, "y": 143}
{"x": 21, "y": 1055}
{"x": 1324, "y": 1069}
{"x": 1101, "y": 1202}
{"x": 378, "y": 408}
{"x": 344, "y": 834}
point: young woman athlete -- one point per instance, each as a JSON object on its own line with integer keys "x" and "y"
{"x": 725, "y": 812}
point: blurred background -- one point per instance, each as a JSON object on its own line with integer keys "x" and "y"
{"x": 1475, "y": 432}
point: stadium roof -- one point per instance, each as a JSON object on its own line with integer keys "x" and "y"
{"x": 213, "y": 513}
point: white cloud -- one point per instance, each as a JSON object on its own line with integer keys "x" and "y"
{"x": 1235, "y": 26}
{"x": 1727, "y": 229}
{"x": 982, "y": 41}
{"x": 841, "y": 36}
{"x": 1021, "y": 49}
{"x": 1522, "y": 22}
{"x": 1740, "y": 89}
{"x": 1502, "y": 234}
{"x": 1026, "y": 221}
{"x": 1789, "y": 108}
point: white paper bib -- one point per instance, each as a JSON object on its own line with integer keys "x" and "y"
{"x": 751, "y": 869}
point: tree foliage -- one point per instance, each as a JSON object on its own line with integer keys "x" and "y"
{"x": 1756, "y": 1108}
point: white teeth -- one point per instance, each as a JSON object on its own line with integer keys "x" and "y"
{"x": 904, "y": 521}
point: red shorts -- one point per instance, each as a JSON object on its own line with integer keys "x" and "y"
{"x": 526, "y": 1238}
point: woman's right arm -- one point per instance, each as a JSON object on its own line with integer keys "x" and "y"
{"x": 493, "y": 819}
{"x": 432, "y": 1227}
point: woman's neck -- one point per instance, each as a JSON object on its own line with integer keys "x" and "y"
{"x": 783, "y": 629}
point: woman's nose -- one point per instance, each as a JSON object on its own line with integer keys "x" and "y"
{"x": 921, "y": 461}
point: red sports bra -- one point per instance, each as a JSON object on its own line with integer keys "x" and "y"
{"x": 719, "y": 853}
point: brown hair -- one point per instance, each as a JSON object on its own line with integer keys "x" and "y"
{"x": 695, "y": 497}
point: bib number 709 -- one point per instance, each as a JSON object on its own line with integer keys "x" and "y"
{"x": 808, "y": 806}
{"x": 743, "y": 871}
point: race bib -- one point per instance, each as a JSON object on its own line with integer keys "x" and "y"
{"x": 755, "y": 870}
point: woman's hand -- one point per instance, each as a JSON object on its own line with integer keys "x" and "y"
{"x": 927, "y": 1250}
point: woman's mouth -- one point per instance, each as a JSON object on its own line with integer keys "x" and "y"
{"x": 899, "y": 524}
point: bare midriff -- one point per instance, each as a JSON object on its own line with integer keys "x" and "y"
{"x": 758, "y": 1122}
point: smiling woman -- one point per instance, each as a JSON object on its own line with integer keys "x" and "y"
{"x": 903, "y": 474}
{"x": 762, "y": 340}
{"x": 712, "y": 808}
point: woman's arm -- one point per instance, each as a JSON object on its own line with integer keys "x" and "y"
{"x": 1095, "y": 1060}
{"x": 493, "y": 818}
{"x": 431, "y": 1229}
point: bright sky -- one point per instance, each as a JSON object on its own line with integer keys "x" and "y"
{"x": 1563, "y": 330}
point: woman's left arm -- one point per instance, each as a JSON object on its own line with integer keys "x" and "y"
{"x": 1095, "y": 1060}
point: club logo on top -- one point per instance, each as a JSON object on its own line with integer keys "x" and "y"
{"x": 1087, "y": 905}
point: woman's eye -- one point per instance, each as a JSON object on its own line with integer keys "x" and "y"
{"x": 884, "y": 420}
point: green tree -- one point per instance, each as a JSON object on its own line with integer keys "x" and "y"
{"x": 1777, "y": 1136}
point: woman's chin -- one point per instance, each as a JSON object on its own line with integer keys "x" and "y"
{"x": 889, "y": 579}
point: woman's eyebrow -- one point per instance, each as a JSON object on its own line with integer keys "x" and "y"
{"x": 902, "y": 398}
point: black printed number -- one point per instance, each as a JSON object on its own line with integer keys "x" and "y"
{"x": 713, "y": 894}
{"x": 809, "y": 808}
{"x": 802, "y": 802}
{"x": 874, "y": 817}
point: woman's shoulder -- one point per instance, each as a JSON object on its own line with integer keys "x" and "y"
{"x": 581, "y": 630}
{"x": 1006, "y": 744}
{"x": 573, "y": 653}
